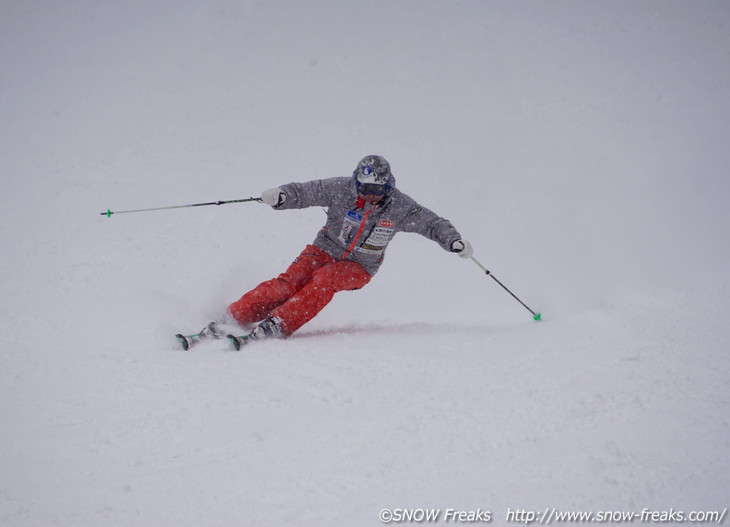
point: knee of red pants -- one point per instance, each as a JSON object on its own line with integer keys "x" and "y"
{"x": 258, "y": 303}
{"x": 309, "y": 301}
{"x": 255, "y": 305}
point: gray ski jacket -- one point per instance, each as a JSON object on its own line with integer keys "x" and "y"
{"x": 359, "y": 231}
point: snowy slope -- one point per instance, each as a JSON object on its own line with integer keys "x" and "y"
{"x": 581, "y": 148}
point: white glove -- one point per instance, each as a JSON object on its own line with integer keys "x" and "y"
{"x": 273, "y": 196}
{"x": 463, "y": 248}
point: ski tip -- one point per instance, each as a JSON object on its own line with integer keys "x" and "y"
{"x": 237, "y": 342}
{"x": 537, "y": 317}
{"x": 184, "y": 343}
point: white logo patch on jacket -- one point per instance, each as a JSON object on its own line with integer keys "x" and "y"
{"x": 350, "y": 225}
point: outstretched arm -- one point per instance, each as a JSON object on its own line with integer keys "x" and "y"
{"x": 317, "y": 193}
{"x": 429, "y": 224}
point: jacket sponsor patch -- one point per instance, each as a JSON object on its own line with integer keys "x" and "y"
{"x": 378, "y": 240}
{"x": 350, "y": 225}
{"x": 354, "y": 216}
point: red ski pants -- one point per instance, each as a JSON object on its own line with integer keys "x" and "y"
{"x": 302, "y": 291}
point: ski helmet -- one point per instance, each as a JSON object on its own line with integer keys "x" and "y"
{"x": 372, "y": 176}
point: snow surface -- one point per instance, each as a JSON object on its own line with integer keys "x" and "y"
{"x": 582, "y": 147}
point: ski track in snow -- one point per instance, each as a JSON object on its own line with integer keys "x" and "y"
{"x": 595, "y": 189}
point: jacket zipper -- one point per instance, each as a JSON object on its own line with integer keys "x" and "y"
{"x": 357, "y": 236}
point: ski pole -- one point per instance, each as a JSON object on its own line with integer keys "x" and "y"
{"x": 535, "y": 316}
{"x": 109, "y": 212}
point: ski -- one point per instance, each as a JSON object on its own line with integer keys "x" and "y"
{"x": 268, "y": 328}
{"x": 187, "y": 341}
{"x": 237, "y": 342}
{"x": 216, "y": 332}
{"x": 211, "y": 331}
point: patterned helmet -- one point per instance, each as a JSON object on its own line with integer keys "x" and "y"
{"x": 372, "y": 176}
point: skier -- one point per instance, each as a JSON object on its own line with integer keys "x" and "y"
{"x": 364, "y": 212}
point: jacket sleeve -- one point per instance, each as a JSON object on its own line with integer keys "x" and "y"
{"x": 427, "y": 223}
{"x": 317, "y": 193}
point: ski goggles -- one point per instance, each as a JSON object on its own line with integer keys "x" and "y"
{"x": 371, "y": 189}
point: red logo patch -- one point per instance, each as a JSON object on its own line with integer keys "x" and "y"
{"x": 386, "y": 223}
